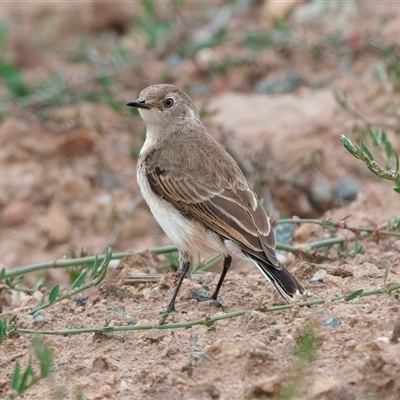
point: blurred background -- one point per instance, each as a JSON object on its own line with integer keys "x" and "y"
{"x": 275, "y": 82}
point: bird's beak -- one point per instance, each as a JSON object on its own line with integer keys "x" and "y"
{"x": 139, "y": 103}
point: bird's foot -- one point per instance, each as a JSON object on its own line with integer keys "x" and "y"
{"x": 203, "y": 297}
{"x": 171, "y": 309}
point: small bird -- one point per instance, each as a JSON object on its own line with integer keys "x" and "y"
{"x": 198, "y": 194}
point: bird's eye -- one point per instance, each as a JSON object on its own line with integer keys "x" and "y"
{"x": 168, "y": 103}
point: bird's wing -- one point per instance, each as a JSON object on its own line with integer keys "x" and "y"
{"x": 230, "y": 209}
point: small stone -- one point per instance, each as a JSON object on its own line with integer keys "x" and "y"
{"x": 347, "y": 189}
{"x": 344, "y": 271}
{"x": 77, "y": 143}
{"x": 111, "y": 379}
{"x": 105, "y": 390}
{"x": 351, "y": 344}
{"x": 276, "y": 10}
{"x": 365, "y": 269}
{"x": 130, "y": 320}
{"x": 333, "y": 322}
{"x": 396, "y": 332}
{"x": 16, "y": 213}
{"x": 81, "y": 300}
{"x": 283, "y": 84}
{"x": 123, "y": 386}
{"x": 146, "y": 293}
{"x": 75, "y": 188}
{"x": 79, "y": 310}
{"x": 180, "y": 381}
{"x": 319, "y": 276}
{"x": 307, "y": 231}
{"x": 155, "y": 335}
{"x": 271, "y": 385}
{"x": 322, "y": 386}
{"x": 284, "y": 233}
{"x": 396, "y": 245}
{"x": 39, "y": 317}
{"x": 267, "y": 388}
{"x": 55, "y": 224}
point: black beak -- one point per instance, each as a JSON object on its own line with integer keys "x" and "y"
{"x": 139, "y": 103}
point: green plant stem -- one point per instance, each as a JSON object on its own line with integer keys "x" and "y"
{"x": 100, "y": 274}
{"x": 205, "y": 321}
{"x": 215, "y": 259}
{"x": 79, "y": 261}
{"x": 299, "y": 251}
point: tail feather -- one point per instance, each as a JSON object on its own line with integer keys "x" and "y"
{"x": 282, "y": 279}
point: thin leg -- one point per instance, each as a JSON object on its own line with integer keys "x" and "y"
{"x": 184, "y": 258}
{"x": 227, "y": 265}
{"x": 213, "y": 297}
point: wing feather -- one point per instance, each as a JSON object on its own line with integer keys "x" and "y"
{"x": 230, "y": 209}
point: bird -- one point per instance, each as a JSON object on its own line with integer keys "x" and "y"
{"x": 198, "y": 194}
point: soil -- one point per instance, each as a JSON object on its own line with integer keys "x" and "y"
{"x": 68, "y": 185}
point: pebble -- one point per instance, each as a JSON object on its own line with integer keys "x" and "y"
{"x": 284, "y": 84}
{"x": 271, "y": 385}
{"x": 347, "y": 188}
{"x": 344, "y": 271}
{"x": 105, "y": 390}
{"x": 56, "y": 224}
{"x": 39, "y": 317}
{"x": 16, "y": 213}
{"x": 146, "y": 293}
{"x": 332, "y": 321}
{"x": 79, "y": 310}
{"x": 130, "y": 320}
{"x": 396, "y": 245}
{"x": 75, "y": 188}
{"x": 323, "y": 386}
{"x": 123, "y": 386}
{"x": 365, "y": 269}
{"x": 284, "y": 233}
{"x": 319, "y": 276}
{"x": 81, "y": 300}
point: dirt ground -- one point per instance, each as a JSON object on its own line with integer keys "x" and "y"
{"x": 68, "y": 151}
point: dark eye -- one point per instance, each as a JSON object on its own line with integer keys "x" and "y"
{"x": 168, "y": 103}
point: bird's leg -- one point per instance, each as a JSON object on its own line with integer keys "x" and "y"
{"x": 213, "y": 297}
{"x": 185, "y": 263}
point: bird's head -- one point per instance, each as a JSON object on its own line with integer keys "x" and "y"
{"x": 162, "y": 106}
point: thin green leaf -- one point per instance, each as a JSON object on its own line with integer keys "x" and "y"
{"x": 355, "y": 294}
{"x": 53, "y": 294}
{"x": 15, "y": 376}
{"x": 3, "y": 329}
{"x": 388, "y": 149}
{"x": 79, "y": 280}
{"x": 397, "y": 189}
{"x": 366, "y": 151}
{"x": 328, "y": 224}
{"x": 40, "y": 303}
{"x": 43, "y": 354}
{"x": 18, "y": 279}
{"x": 341, "y": 98}
{"x": 27, "y": 375}
{"x": 2, "y": 274}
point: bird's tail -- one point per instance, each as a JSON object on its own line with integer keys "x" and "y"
{"x": 282, "y": 279}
